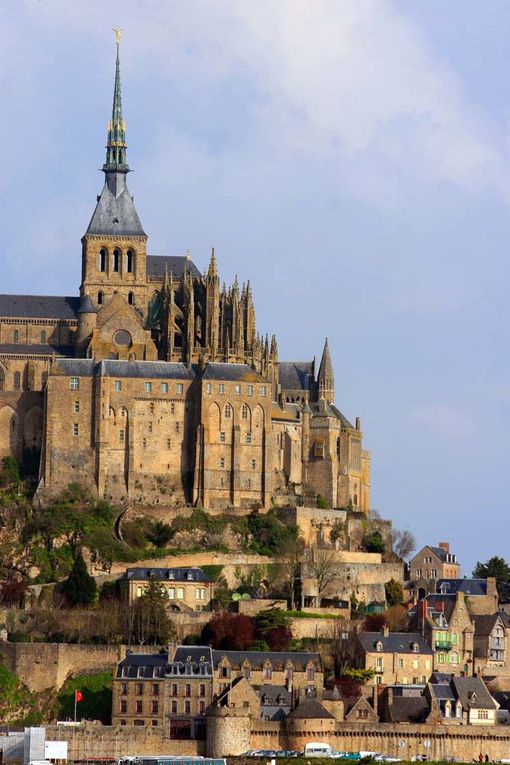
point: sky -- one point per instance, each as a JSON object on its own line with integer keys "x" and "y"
{"x": 350, "y": 157}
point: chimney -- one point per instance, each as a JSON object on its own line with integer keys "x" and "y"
{"x": 491, "y": 587}
{"x": 444, "y": 546}
{"x": 385, "y": 630}
{"x": 172, "y": 648}
{"x": 423, "y": 610}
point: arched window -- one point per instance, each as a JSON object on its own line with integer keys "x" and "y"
{"x": 244, "y": 412}
{"x": 131, "y": 298}
{"x": 15, "y": 336}
{"x": 100, "y": 298}
{"x": 2, "y": 379}
{"x": 228, "y": 412}
{"x": 130, "y": 261}
{"x": 116, "y": 260}
{"x": 103, "y": 259}
{"x": 17, "y": 381}
{"x": 338, "y": 447}
{"x": 43, "y": 336}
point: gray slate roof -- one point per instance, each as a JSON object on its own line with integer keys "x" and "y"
{"x": 296, "y": 375}
{"x": 167, "y": 574}
{"x": 198, "y": 655}
{"x": 142, "y": 665}
{"x": 115, "y": 215}
{"x": 468, "y": 586}
{"x": 37, "y": 350}
{"x": 164, "y": 370}
{"x": 299, "y": 659}
{"x": 465, "y": 687}
{"x": 408, "y": 709}
{"x": 156, "y": 265}
{"x": 310, "y": 709}
{"x": 39, "y": 306}
{"x": 394, "y": 642}
{"x": 218, "y": 371}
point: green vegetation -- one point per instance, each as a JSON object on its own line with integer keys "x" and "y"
{"x": 500, "y": 570}
{"x": 394, "y": 593}
{"x": 307, "y": 615}
{"x": 96, "y": 704}
{"x": 322, "y": 502}
{"x": 17, "y": 704}
{"x": 374, "y": 543}
{"x": 79, "y": 587}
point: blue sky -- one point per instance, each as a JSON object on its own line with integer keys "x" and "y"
{"x": 349, "y": 157}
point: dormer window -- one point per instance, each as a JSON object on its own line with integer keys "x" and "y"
{"x": 415, "y": 647}
{"x": 190, "y": 576}
{"x": 379, "y": 646}
{"x": 171, "y": 574}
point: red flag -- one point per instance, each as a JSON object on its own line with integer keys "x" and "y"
{"x": 78, "y": 696}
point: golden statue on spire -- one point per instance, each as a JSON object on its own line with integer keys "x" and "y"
{"x": 118, "y": 35}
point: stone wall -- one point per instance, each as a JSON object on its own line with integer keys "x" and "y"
{"x": 48, "y": 665}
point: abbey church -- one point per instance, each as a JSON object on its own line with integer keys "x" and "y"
{"x": 154, "y": 385}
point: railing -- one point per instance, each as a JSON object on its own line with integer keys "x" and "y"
{"x": 444, "y": 644}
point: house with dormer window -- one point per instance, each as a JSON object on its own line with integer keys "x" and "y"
{"x": 492, "y": 633}
{"x": 403, "y": 658}
{"x": 187, "y": 589}
{"x": 461, "y": 700}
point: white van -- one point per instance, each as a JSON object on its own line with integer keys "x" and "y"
{"x": 318, "y": 749}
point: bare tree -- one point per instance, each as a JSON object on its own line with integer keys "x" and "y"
{"x": 323, "y": 570}
{"x": 403, "y": 544}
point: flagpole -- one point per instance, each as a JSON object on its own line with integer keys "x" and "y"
{"x": 75, "y": 703}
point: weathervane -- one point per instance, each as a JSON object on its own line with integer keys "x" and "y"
{"x": 118, "y": 35}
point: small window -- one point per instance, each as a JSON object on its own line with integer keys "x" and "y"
{"x": 151, "y": 408}
{"x": 144, "y": 443}
{"x": 100, "y": 298}
{"x": 77, "y": 407}
{"x": 15, "y": 336}
{"x": 228, "y": 412}
{"x": 117, "y": 385}
{"x": 208, "y": 388}
{"x": 248, "y": 438}
{"x": 250, "y": 390}
{"x": 116, "y": 260}
{"x": 172, "y": 408}
{"x": 164, "y": 387}
{"x": 177, "y": 427}
{"x": 253, "y": 464}
{"x": 149, "y": 427}
{"x": 43, "y": 337}
{"x": 130, "y": 257}
{"x": 17, "y": 381}
{"x": 131, "y": 298}
{"x": 168, "y": 443}
{"x": 238, "y": 390}
{"x": 263, "y": 390}
{"x": 244, "y": 412}
{"x": 221, "y": 388}
{"x": 103, "y": 257}
{"x": 121, "y": 435}
{"x": 222, "y": 462}
{"x": 222, "y": 436}
{"x": 148, "y": 387}
{"x": 74, "y": 383}
{"x": 76, "y": 429}
{"x": 179, "y": 387}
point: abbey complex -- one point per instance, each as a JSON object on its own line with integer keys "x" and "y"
{"x": 153, "y": 384}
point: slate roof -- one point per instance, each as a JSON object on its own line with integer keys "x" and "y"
{"x": 330, "y": 410}
{"x": 484, "y": 624}
{"x": 310, "y": 709}
{"x": 174, "y": 264}
{"x": 74, "y": 367}
{"x": 408, "y": 709}
{"x": 167, "y": 574}
{"x": 299, "y": 659}
{"x": 174, "y": 370}
{"x": 465, "y": 687}
{"x": 394, "y": 642}
{"x": 142, "y": 665}
{"x": 442, "y": 604}
{"x": 218, "y": 371}
{"x": 198, "y": 655}
{"x": 39, "y": 306}
{"x": 275, "y": 695}
{"x": 115, "y": 215}
{"x": 296, "y": 375}
{"x": 468, "y": 586}
{"x": 37, "y": 350}
{"x": 439, "y": 551}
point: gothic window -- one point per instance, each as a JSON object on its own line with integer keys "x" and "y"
{"x": 17, "y": 381}
{"x": 100, "y": 298}
{"x": 43, "y": 336}
{"x": 116, "y": 260}
{"x": 103, "y": 257}
{"x": 244, "y": 412}
{"x": 15, "y": 336}
{"x": 228, "y": 412}
{"x": 338, "y": 448}
{"x": 131, "y": 298}
{"x": 130, "y": 259}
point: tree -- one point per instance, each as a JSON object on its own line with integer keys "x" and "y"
{"x": 374, "y": 543}
{"x": 160, "y": 534}
{"x": 323, "y": 569}
{"x": 14, "y": 592}
{"x": 402, "y": 544}
{"x": 79, "y": 587}
{"x": 235, "y": 632}
{"x": 10, "y": 471}
{"x": 151, "y": 623}
{"x": 273, "y": 627}
{"x": 394, "y": 593}
{"x": 499, "y": 569}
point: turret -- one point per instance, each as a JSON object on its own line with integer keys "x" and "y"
{"x": 326, "y": 378}
{"x": 87, "y": 319}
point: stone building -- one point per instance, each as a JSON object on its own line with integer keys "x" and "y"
{"x": 433, "y": 563}
{"x": 395, "y": 657}
{"x": 154, "y": 382}
{"x": 187, "y": 589}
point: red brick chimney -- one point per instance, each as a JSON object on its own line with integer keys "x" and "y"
{"x": 444, "y": 546}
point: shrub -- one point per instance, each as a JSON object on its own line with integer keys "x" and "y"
{"x": 234, "y": 632}
{"x": 374, "y": 543}
{"x": 322, "y": 502}
{"x": 79, "y": 587}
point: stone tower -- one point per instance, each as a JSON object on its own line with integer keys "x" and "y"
{"x": 114, "y": 247}
{"x": 326, "y": 378}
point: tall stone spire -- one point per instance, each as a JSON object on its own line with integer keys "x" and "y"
{"x": 116, "y": 143}
{"x": 326, "y": 378}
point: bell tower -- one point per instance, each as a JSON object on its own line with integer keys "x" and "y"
{"x": 114, "y": 247}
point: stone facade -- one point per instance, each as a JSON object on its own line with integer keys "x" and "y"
{"x": 433, "y": 563}
{"x": 154, "y": 385}
{"x": 187, "y": 589}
